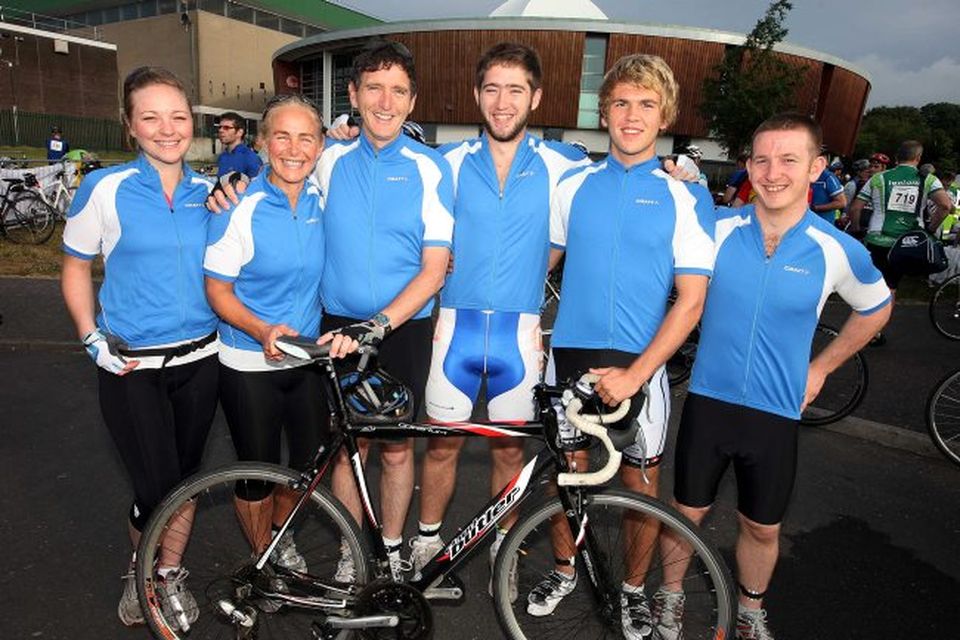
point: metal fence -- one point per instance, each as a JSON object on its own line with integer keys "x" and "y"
{"x": 33, "y": 130}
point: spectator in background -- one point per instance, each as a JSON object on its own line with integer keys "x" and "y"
{"x": 947, "y": 230}
{"x": 861, "y": 174}
{"x": 879, "y": 163}
{"x": 737, "y": 178}
{"x": 57, "y": 147}
{"x": 826, "y": 195}
{"x": 693, "y": 151}
{"x": 236, "y": 156}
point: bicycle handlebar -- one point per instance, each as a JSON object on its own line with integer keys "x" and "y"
{"x": 595, "y": 425}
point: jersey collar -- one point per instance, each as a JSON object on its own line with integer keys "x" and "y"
{"x": 643, "y": 167}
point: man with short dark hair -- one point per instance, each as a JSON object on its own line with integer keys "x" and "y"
{"x": 776, "y": 264}
{"x": 388, "y": 219}
{"x": 57, "y": 147}
{"x": 236, "y": 156}
{"x": 898, "y": 198}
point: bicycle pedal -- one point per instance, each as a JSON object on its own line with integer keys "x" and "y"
{"x": 450, "y": 588}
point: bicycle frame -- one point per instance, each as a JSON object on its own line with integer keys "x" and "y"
{"x": 550, "y": 459}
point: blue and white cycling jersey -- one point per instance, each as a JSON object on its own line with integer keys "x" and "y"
{"x": 501, "y": 238}
{"x": 384, "y": 208}
{"x": 152, "y": 293}
{"x": 274, "y": 258}
{"x": 626, "y": 232}
{"x": 761, "y": 312}
{"x": 824, "y": 189}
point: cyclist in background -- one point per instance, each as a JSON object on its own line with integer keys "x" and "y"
{"x": 776, "y": 264}
{"x": 735, "y": 181}
{"x": 893, "y": 196}
{"x": 629, "y": 234}
{"x": 154, "y": 340}
{"x": 826, "y": 195}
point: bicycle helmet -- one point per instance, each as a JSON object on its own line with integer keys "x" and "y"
{"x": 836, "y": 165}
{"x": 376, "y": 397}
{"x": 579, "y": 146}
{"x": 693, "y": 151}
{"x": 881, "y": 158}
{"x": 861, "y": 165}
{"x": 415, "y": 131}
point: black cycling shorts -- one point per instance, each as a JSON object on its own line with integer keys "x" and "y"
{"x": 405, "y": 353}
{"x": 571, "y": 363}
{"x": 259, "y": 405}
{"x": 159, "y": 419}
{"x": 891, "y": 275}
{"x": 761, "y": 445}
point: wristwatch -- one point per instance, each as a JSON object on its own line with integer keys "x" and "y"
{"x": 381, "y": 320}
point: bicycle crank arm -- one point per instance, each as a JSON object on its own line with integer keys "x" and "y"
{"x": 364, "y": 622}
{"x": 443, "y": 593}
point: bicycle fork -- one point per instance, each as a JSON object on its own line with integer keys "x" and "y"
{"x": 587, "y": 550}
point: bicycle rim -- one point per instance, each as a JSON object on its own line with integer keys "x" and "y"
{"x": 709, "y": 611}
{"x": 843, "y": 390}
{"x": 945, "y": 308}
{"x": 220, "y": 560}
{"x": 29, "y": 220}
{"x": 943, "y": 416}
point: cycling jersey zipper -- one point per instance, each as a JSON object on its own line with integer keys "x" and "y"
{"x": 176, "y": 231}
{"x": 615, "y": 259}
{"x": 753, "y": 327}
{"x": 298, "y": 313}
{"x": 373, "y": 225}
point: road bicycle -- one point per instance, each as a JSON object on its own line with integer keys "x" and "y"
{"x": 240, "y": 591}
{"x": 943, "y": 416}
{"x": 25, "y": 217}
{"x": 944, "y": 308}
{"x": 59, "y": 194}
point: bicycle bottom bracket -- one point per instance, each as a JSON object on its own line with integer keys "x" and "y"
{"x": 385, "y": 597}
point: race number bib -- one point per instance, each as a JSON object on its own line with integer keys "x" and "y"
{"x": 56, "y": 145}
{"x": 903, "y": 198}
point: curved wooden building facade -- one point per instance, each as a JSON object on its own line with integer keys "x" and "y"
{"x": 575, "y": 54}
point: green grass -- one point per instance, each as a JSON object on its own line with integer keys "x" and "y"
{"x": 40, "y": 154}
{"x": 41, "y": 260}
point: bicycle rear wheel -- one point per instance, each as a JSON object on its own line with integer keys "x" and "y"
{"x": 680, "y": 364}
{"x": 203, "y": 527}
{"x": 29, "y": 220}
{"x": 943, "y": 416}
{"x": 945, "y": 308}
{"x": 710, "y": 607}
{"x": 844, "y": 389}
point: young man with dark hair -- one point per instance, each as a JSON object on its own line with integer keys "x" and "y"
{"x": 389, "y": 225}
{"x": 236, "y": 156}
{"x": 776, "y": 264}
{"x": 489, "y": 323}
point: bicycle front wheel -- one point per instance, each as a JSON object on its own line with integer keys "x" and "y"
{"x": 29, "y": 220}
{"x": 844, "y": 389}
{"x": 214, "y": 526}
{"x": 945, "y": 308}
{"x": 624, "y": 528}
{"x": 943, "y": 416}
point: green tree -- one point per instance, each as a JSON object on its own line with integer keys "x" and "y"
{"x": 750, "y": 84}
{"x": 937, "y": 126}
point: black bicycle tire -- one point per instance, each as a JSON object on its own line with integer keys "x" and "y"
{"x": 822, "y": 419}
{"x": 932, "y": 306}
{"x": 36, "y": 204}
{"x": 934, "y": 429}
{"x": 539, "y": 517}
{"x": 204, "y": 481}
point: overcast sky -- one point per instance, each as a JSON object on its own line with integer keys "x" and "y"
{"x": 910, "y": 49}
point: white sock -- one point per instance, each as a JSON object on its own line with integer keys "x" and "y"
{"x": 429, "y": 532}
{"x": 393, "y": 545}
{"x": 629, "y": 588}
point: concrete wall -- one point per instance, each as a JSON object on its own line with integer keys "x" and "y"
{"x": 223, "y": 61}
{"x": 234, "y": 62}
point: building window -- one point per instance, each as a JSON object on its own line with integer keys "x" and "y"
{"x": 342, "y": 70}
{"x": 591, "y": 77}
{"x": 268, "y": 21}
{"x": 166, "y": 6}
{"x": 148, "y": 8}
{"x": 239, "y": 12}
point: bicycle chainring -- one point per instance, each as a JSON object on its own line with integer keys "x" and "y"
{"x": 384, "y": 597}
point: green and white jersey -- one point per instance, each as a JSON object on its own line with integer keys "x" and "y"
{"x": 893, "y": 195}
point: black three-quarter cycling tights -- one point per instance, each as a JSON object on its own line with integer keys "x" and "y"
{"x": 259, "y": 405}
{"x": 159, "y": 420}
